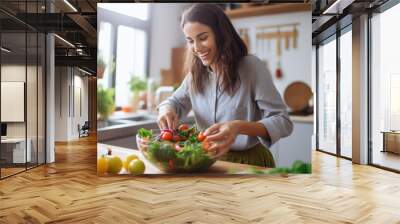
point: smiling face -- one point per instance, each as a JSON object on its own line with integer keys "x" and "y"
{"x": 201, "y": 41}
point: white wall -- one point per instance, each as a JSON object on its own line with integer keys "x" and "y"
{"x": 68, "y": 83}
{"x": 61, "y": 103}
{"x": 166, "y": 34}
{"x": 295, "y": 63}
{"x": 12, "y": 73}
{"x": 81, "y": 83}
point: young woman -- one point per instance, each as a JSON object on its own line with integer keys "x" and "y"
{"x": 230, "y": 92}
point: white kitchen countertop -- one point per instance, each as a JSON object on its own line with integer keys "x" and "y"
{"x": 303, "y": 119}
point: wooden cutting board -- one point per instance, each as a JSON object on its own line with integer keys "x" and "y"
{"x": 297, "y": 95}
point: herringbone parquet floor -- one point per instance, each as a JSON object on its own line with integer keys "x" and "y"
{"x": 69, "y": 191}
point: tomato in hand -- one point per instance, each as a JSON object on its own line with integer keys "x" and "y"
{"x": 183, "y": 127}
{"x": 201, "y": 137}
{"x": 206, "y": 145}
{"x": 167, "y": 136}
{"x": 176, "y": 138}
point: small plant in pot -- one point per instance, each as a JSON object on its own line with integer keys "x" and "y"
{"x": 101, "y": 67}
{"x": 138, "y": 87}
{"x": 105, "y": 102}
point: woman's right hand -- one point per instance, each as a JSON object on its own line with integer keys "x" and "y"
{"x": 167, "y": 119}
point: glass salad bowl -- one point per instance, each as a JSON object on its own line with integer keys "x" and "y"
{"x": 175, "y": 151}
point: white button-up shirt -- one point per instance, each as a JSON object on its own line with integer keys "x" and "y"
{"x": 256, "y": 99}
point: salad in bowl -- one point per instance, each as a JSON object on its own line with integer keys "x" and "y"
{"x": 176, "y": 151}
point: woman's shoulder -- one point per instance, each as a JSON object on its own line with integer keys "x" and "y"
{"x": 250, "y": 60}
{"x": 251, "y": 66}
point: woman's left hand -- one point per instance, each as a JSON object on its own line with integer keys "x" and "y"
{"x": 222, "y": 136}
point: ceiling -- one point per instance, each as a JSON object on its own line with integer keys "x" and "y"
{"x": 75, "y": 22}
{"x": 331, "y": 15}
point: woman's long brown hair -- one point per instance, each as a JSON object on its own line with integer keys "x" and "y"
{"x": 231, "y": 47}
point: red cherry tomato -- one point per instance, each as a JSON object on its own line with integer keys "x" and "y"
{"x": 166, "y": 136}
{"x": 201, "y": 137}
{"x": 206, "y": 145}
{"x": 171, "y": 164}
{"x": 183, "y": 127}
{"x": 176, "y": 138}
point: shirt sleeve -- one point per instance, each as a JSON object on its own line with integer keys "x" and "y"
{"x": 275, "y": 117}
{"x": 179, "y": 101}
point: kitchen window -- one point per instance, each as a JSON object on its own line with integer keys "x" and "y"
{"x": 385, "y": 89}
{"x": 124, "y": 43}
{"x": 130, "y": 61}
{"x": 105, "y": 52}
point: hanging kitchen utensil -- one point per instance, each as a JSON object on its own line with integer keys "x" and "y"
{"x": 278, "y": 44}
{"x": 297, "y": 96}
{"x": 295, "y": 36}
{"x": 287, "y": 36}
{"x": 278, "y": 71}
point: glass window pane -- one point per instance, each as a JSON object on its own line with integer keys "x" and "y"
{"x": 130, "y": 61}
{"x": 346, "y": 94}
{"x": 105, "y": 52}
{"x": 385, "y": 86}
{"x": 138, "y": 10}
{"x": 13, "y": 82}
{"x": 327, "y": 97}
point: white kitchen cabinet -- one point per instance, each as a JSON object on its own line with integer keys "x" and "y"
{"x": 295, "y": 147}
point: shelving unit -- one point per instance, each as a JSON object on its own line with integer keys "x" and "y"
{"x": 267, "y": 10}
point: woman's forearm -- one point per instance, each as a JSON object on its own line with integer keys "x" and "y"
{"x": 251, "y": 128}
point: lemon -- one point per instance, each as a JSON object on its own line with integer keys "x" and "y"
{"x": 114, "y": 164}
{"x": 102, "y": 165}
{"x": 128, "y": 159}
{"x": 136, "y": 167}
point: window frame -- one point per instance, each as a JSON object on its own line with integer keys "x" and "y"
{"x": 335, "y": 36}
{"x": 116, "y": 20}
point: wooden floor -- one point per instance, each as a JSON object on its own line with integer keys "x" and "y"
{"x": 70, "y": 192}
{"x": 5, "y": 172}
{"x": 10, "y": 171}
